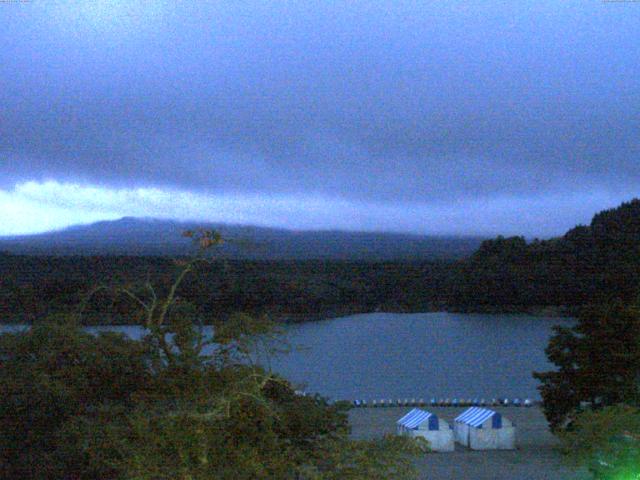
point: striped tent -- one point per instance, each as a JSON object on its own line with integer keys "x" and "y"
{"x": 476, "y": 416}
{"x": 420, "y": 423}
{"x": 483, "y": 429}
{"x": 416, "y": 417}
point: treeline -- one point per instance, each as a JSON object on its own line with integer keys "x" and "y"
{"x": 590, "y": 264}
{"x": 593, "y": 264}
{"x": 33, "y": 287}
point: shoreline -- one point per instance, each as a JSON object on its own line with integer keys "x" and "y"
{"x": 549, "y": 311}
{"x": 332, "y": 314}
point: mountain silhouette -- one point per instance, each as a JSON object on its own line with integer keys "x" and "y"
{"x": 159, "y": 237}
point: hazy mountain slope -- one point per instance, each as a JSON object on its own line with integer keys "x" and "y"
{"x": 137, "y": 236}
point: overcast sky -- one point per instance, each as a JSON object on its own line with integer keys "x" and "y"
{"x": 439, "y": 117}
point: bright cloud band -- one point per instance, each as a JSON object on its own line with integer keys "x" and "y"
{"x": 33, "y": 207}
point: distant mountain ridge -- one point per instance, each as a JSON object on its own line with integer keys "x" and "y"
{"x": 156, "y": 237}
{"x": 598, "y": 263}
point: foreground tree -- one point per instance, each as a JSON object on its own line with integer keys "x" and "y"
{"x": 180, "y": 403}
{"x": 606, "y": 441}
{"x": 52, "y": 375}
{"x": 598, "y": 364}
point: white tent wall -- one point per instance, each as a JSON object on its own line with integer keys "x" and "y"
{"x": 507, "y": 438}
{"x": 461, "y": 433}
{"x": 480, "y": 439}
{"x": 492, "y": 438}
{"x": 488, "y": 438}
{"x": 439, "y": 440}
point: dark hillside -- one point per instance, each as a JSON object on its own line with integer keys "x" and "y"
{"x": 32, "y": 287}
{"x": 593, "y": 263}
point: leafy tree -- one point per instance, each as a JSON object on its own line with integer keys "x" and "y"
{"x": 607, "y": 441}
{"x": 598, "y": 263}
{"x": 54, "y": 373}
{"x": 597, "y": 360}
{"x": 178, "y": 404}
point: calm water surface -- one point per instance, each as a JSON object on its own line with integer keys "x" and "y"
{"x": 383, "y": 355}
{"x": 420, "y": 355}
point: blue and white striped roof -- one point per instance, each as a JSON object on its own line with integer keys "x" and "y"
{"x": 414, "y": 418}
{"x": 475, "y": 416}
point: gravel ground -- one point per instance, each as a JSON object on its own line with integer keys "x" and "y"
{"x": 536, "y": 457}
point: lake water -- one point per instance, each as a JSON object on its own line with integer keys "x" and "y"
{"x": 383, "y": 355}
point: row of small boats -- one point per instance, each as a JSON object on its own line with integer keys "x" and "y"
{"x": 441, "y": 402}
{"x": 444, "y": 402}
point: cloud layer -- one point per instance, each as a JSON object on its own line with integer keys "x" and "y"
{"x": 445, "y": 106}
{"x": 61, "y": 205}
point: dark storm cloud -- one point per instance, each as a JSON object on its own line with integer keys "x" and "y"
{"x": 373, "y": 101}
